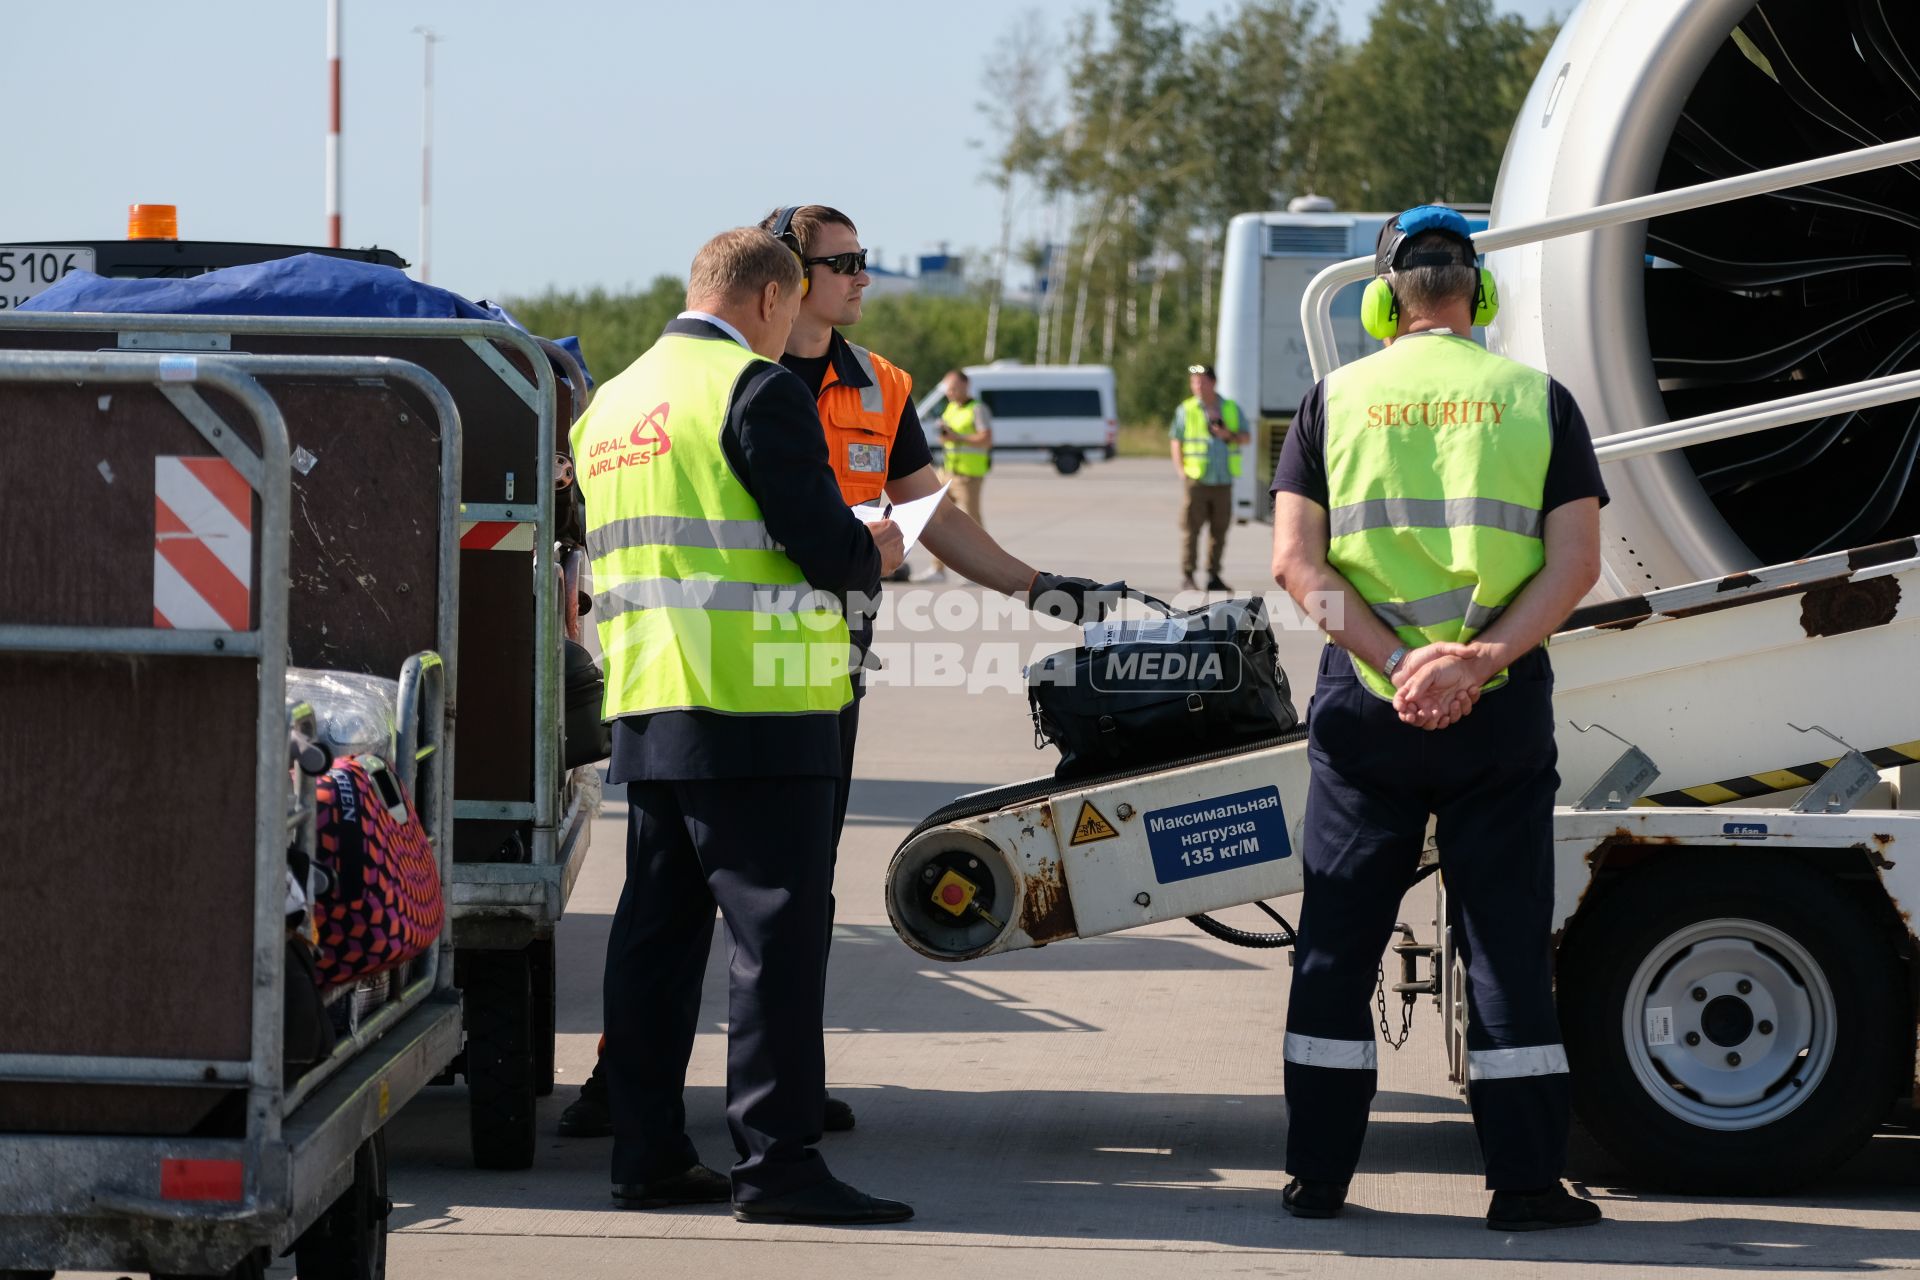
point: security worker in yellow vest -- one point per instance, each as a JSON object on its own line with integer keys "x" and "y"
{"x": 1208, "y": 433}
{"x": 720, "y": 547}
{"x": 1444, "y": 502}
{"x": 966, "y": 429}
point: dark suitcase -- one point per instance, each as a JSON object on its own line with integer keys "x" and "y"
{"x": 588, "y": 738}
{"x": 1145, "y": 693}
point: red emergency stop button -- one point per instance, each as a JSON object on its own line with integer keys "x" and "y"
{"x": 953, "y": 893}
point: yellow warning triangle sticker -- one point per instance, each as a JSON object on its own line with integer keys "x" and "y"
{"x": 1090, "y": 826}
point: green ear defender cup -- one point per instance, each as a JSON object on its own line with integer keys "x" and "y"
{"x": 1379, "y": 312}
{"x": 1486, "y": 300}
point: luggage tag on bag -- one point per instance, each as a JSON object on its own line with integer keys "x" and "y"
{"x": 388, "y": 787}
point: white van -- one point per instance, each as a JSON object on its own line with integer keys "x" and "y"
{"x": 1062, "y": 413}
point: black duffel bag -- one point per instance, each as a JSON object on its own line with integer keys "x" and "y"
{"x": 1155, "y": 691}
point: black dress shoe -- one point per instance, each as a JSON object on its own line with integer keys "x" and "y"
{"x": 831, "y": 1201}
{"x": 1541, "y": 1210}
{"x": 1216, "y": 583}
{"x": 695, "y": 1184}
{"x": 1305, "y": 1198}
{"x": 839, "y": 1116}
{"x": 588, "y": 1115}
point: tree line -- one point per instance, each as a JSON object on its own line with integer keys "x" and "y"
{"x": 1131, "y": 137}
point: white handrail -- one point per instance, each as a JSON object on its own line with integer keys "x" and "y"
{"x": 1728, "y": 423}
{"x": 1316, "y": 305}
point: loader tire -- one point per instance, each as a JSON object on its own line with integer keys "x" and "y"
{"x": 497, "y": 1002}
{"x": 1732, "y": 1020}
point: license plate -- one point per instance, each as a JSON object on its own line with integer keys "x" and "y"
{"x": 29, "y": 269}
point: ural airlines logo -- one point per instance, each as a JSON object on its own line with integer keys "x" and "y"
{"x": 647, "y": 441}
{"x": 651, "y": 433}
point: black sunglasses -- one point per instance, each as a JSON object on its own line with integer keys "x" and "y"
{"x": 841, "y": 264}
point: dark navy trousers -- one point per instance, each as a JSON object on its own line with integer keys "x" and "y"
{"x": 761, "y": 849}
{"x": 1489, "y": 781}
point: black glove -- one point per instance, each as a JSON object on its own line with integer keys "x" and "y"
{"x": 1074, "y": 599}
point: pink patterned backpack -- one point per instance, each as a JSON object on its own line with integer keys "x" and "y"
{"x": 384, "y": 906}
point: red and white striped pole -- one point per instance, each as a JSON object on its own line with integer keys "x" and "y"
{"x": 428, "y": 40}
{"x": 333, "y": 123}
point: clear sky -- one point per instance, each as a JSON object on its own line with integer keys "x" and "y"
{"x": 577, "y": 143}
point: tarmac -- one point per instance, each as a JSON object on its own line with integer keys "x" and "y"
{"x": 1105, "y": 1108}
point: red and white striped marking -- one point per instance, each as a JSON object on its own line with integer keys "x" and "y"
{"x": 496, "y": 535}
{"x": 202, "y": 545}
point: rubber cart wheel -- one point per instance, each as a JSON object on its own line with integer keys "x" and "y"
{"x": 349, "y": 1240}
{"x": 1732, "y": 1020}
{"x": 497, "y": 1001}
{"x": 544, "y": 980}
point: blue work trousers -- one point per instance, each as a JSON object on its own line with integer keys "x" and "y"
{"x": 1489, "y": 781}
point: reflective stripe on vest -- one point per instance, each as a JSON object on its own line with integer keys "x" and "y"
{"x": 964, "y": 460}
{"x": 860, "y": 422}
{"x": 697, "y": 607}
{"x": 1196, "y": 442}
{"x": 1437, "y": 455}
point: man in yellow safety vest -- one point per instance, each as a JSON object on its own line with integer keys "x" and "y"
{"x": 1207, "y": 434}
{"x": 1439, "y": 505}
{"x": 966, "y": 429}
{"x": 721, "y": 556}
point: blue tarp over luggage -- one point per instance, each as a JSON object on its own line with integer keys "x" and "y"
{"x": 307, "y": 284}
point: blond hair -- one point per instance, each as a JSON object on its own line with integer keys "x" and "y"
{"x": 736, "y": 266}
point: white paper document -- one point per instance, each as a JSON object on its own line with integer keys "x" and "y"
{"x": 1100, "y": 635}
{"x": 912, "y": 516}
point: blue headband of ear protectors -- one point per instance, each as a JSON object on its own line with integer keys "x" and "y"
{"x": 1379, "y": 309}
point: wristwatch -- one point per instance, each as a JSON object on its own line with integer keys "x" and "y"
{"x": 1394, "y": 660}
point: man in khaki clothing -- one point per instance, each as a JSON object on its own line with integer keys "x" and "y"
{"x": 1207, "y": 434}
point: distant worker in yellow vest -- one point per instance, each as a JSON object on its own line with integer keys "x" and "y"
{"x": 966, "y": 429}
{"x": 1439, "y": 506}
{"x": 1207, "y": 434}
{"x": 721, "y": 549}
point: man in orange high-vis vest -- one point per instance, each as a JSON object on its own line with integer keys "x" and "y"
{"x": 879, "y": 449}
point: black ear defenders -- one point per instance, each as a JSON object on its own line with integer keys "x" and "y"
{"x": 783, "y": 232}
